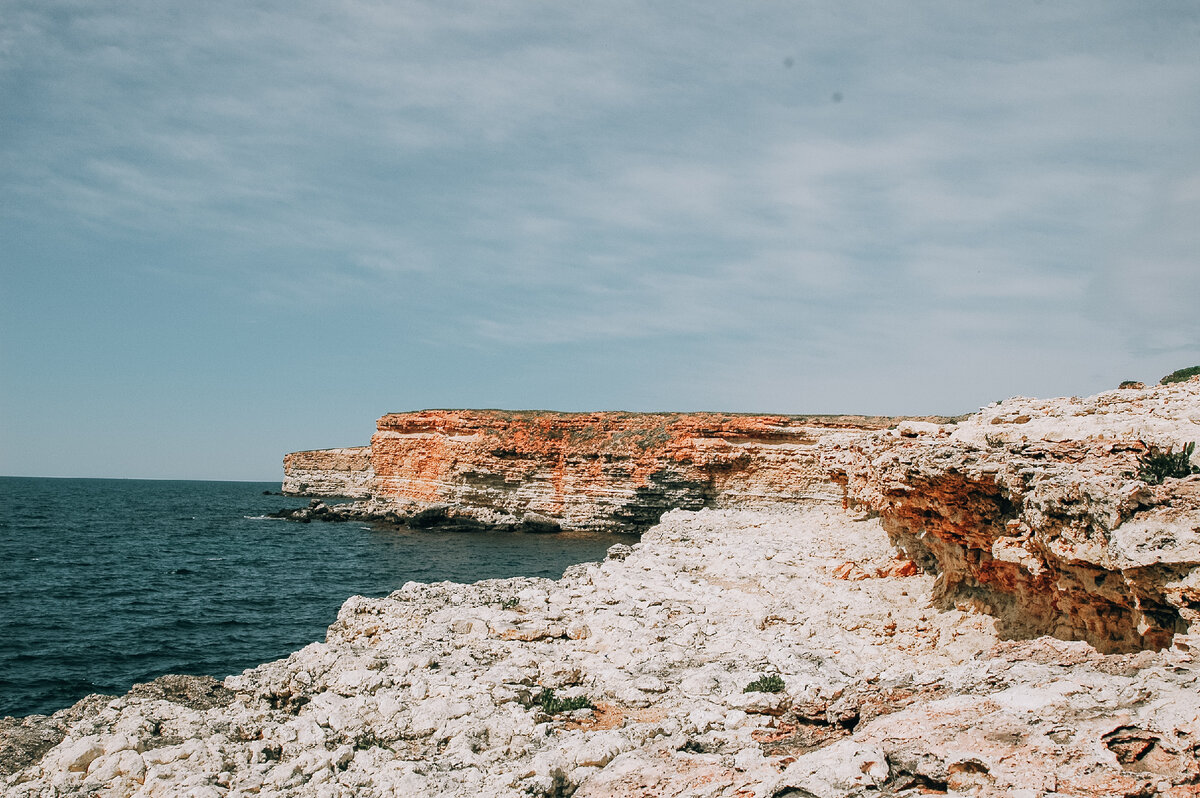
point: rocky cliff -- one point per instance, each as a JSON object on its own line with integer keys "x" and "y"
{"x": 794, "y": 649}
{"x": 600, "y": 470}
{"x": 579, "y": 470}
{"x": 329, "y": 472}
{"x": 1033, "y": 511}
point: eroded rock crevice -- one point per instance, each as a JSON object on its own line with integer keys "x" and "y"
{"x": 1052, "y": 536}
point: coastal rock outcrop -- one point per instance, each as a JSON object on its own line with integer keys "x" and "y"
{"x": 329, "y": 472}
{"x": 1034, "y": 511}
{"x": 466, "y": 690}
{"x": 1002, "y": 607}
{"x": 609, "y": 470}
{"x": 596, "y": 470}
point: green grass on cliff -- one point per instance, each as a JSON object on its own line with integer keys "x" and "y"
{"x": 1182, "y": 375}
{"x": 552, "y": 704}
{"x": 847, "y": 419}
{"x": 1156, "y": 465}
{"x": 766, "y": 683}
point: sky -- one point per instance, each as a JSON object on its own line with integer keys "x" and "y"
{"x": 230, "y": 230}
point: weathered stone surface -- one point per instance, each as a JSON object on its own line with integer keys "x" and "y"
{"x": 329, "y": 472}
{"x": 589, "y": 470}
{"x": 433, "y": 690}
{"x": 1032, "y": 510}
{"x": 24, "y": 740}
{"x": 586, "y": 470}
{"x": 197, "y": 692}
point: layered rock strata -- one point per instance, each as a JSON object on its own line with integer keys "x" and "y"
{"x": 595, "y": 470}
{"x": 329, "y": 472}
{"x": 1033, "y": 511}
{"x": 440, "y": 689}
{"x": 608, "y": 470}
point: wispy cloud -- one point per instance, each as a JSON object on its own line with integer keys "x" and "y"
{"x": 781, "y": 178}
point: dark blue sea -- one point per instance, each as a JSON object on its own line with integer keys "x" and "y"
{"x": 105, "y": 583}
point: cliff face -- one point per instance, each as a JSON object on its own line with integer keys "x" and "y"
{"x": 599, "y": 470}
{"x": 329, "y": 472}
{"x": 1033, "y": 511}
{"x": 609, "y": 470}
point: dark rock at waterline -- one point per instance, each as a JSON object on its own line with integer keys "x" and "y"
{"x": 194, "y": 692}
{"x": 538, "y": 523}
{"x": 24, "y": 741}
{"x": 319, "y": 511}
{"x": 442, "y": 516}
{"x": 432, "y": 516}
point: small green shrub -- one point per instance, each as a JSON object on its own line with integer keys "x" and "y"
{"x": 509, "y": 603}
{"x": 552, "y": 705}
{"x": 1183, "y": 375}
{"x": 772, "y": 683}
{"x": 367, "y": 739}
{"x": 1156, "y": 465}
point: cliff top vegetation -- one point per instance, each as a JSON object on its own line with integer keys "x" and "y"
{"x": 1182, "y": 375}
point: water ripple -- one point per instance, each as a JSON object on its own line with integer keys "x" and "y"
{"x": 107, "y": 582}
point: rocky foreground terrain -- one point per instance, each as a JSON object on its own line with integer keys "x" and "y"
{"x": 891, "y": 646}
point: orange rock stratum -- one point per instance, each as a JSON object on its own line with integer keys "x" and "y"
{"x": 582, "y": 470}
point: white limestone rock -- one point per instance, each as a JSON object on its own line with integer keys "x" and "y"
{"x": 434, "y": 689}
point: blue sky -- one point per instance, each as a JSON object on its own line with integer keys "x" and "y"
{"x": 232, "y": 230}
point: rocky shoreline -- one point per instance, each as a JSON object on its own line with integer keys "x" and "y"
{"x": 435, "y": 689}
{"x": 888, "y": 644}
{"x": 442, "y": 516}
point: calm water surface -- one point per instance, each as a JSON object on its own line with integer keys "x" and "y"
{"x": 105, "y": 583}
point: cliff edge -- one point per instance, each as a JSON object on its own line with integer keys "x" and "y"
{"x": 1034, "y": 511}
{"x": 729, "y": 654}
{"x": 329, "y": 472}
{"x": 610, "y": 470}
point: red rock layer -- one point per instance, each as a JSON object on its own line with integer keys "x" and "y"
{"x": 600, "y": 470}
{"x": 1054, "y": 534}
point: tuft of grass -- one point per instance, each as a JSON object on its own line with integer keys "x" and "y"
{"x": 766, "y": 683}
{"x": 552, "y": 705}
{"x": 1156, "y": 465}
{"x": 368, "y": 739}
{"x": 1182, "y": 375}
{"x": 509, "y": 602}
